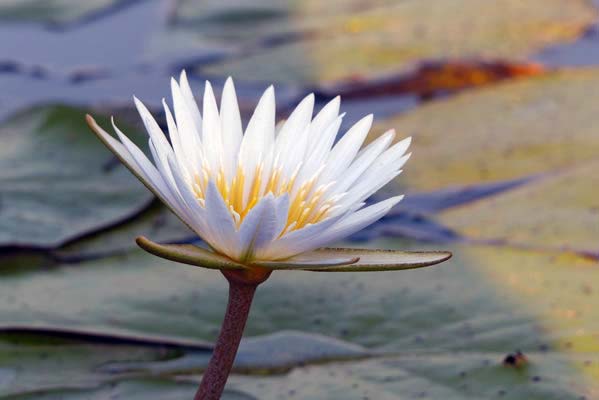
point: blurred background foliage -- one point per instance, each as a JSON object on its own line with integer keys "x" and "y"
{"x": 501, "y": 99}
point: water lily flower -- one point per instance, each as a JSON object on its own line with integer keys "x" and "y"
{"x": 264, "y": 198}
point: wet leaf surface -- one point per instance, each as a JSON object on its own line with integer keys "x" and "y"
{"x": 559, "y": 211}
{"x": 391, "y": 38}
{"x": 54, "y": 12}
{"x": 157, "y": 222}
{"x": 58, "y": 181}
{"x": 460, "y": 314}
{"x": 505, "y": 132}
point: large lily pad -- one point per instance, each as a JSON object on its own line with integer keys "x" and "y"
{"x": 362, "y": 41}
{"x": 57, "y": 181}
{"x": 559, "y": 211}
{"x": 157, "y": 222}
{"x": 430, "y": 325}
{"x": 504, "y": 132}
{"x": 25, "y": 362}
{"x": 56, "y": 12}
{"x": 432, "y": 376}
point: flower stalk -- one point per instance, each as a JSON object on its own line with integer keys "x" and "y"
{"x": 242, "y": 287}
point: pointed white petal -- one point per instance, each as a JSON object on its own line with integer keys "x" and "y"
{"x": 364, "y": 159}
{"x": 322, "y": 121}
{"x": 195, "y": 213}
{"x": 152, "y": 126}
{"x": 190, "y": 101}
{"x": 220, "y": 221}
{"x": 290, "y": 145}
{"x": 189, "y": 134}
{"x": 296, "y": 242}
{"x": 282, "y": 212}
{"x": 365, "y": 188}
{"x": 258, "y": 227}
{"x": 211, "y": 131}
{"x": 346, "y": 149}
{"x": 144, "y": 164}
{"x": 187, "y": 166}
{"x": 232, "y": 130}
{"x": 356, "y": 221}
{"x": 316, "y": 158}
{"x": 258, "y": 138}
{"x": 127, "y": 158}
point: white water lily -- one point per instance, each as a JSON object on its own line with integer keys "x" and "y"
{"x": 268, "y": 192}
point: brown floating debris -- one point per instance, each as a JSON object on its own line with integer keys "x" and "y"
{"x": 435, "y": 78}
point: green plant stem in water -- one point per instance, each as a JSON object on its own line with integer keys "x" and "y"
{"x": 241, "y": 294}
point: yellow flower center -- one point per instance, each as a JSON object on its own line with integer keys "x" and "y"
{"x": 306, "y": 206}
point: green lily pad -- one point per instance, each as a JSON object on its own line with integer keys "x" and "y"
{"x": 157, "y": 222}
{"x": 267, "y": 354}
{"x": 25, "y": 362}
{"x": 52, "y": 11}
{"x": 138, "y": 389}
{"x": 431, "y": 376}
{"x": 58, "y": 181}
{"x": 559, "y": 211}
{"x": 365, "y": 41}
{"x": 504, "y": 132}
{"x": 428, "y": 324}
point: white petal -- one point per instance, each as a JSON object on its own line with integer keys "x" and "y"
{"x": 190, "y": 101}
{"x": 188, "y": 166}
{"x": 298, "y": 241}
{"x": 258, "y": 227}
{"x": 322, "y": 121}
{"x": 364, "y": 188}
{"x": 232, "y": 130}
{"x": 346, "y": 149}
{"x": 211, "y": 131}
{"x": 356, "y": 221}
{"x": 291, "y": 142}
{"x": 152, "y": 126}
{"x": 394, "y": 153}
{"x": 364, "y": 159}
{"x": 220, "y": 222}
{"x": 282, "y": 212}
{"x": 196, "y": 214}
{"x": 189, "y": 134}
{"x": 258, "y": 138}
{"x": 144, "y": 164}
{"x": 158, "y": 184}
{"x": 316, "y": 158}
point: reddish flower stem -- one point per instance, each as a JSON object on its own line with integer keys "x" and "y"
{"x": 241, "y": 294}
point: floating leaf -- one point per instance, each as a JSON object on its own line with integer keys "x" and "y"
{"x": 500, "y": 133}
{"x": 365, "y": 41}
{"x": 267, "y": 354}
{"x": 476, "y": 375}
{"x": 157, "y": 222}
{"x": 25, "y": 362}
{"x": 56, "y": 12}
{"x": 559, "y": 211}
{"x": 434, "y": 322}
{"x": 57, "y": 180}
